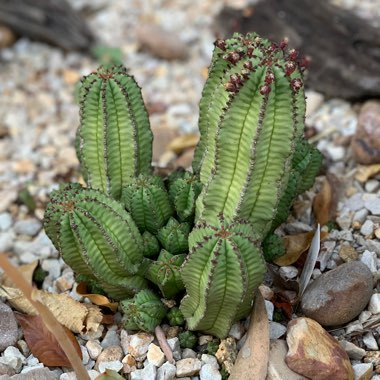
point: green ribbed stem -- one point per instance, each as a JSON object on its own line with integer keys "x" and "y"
{"x": 148, "y": 202}
{"x": 114, "y": 140}
{"x": 174, "y": 237}
{"x": 184, "y": 189}
{"x": 165, "y": 273}
{"x": 144, "y": 311}
{"x": 255, "y": 133}
{"x": 151, "y": 246}
{"x": 97, "y": 238}
{"x": 222, "y": 270}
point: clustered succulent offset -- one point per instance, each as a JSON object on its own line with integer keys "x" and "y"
{"x": 202, "y": 237}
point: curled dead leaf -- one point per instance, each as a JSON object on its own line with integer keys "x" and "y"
{"x": 96, "y": 299}
{"x": 42, "y": 343}
{"x": 295, "y": 246}
{"x": 326, "y": 201}
{"x": 363, "y": 173}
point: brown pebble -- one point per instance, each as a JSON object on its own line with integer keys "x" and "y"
{"x": 366, "y": 142}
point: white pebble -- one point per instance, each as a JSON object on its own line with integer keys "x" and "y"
{"x": 175, "y": 347}
{"x": 5, "y": 221}
{"x": 276, "y": 330}
{"x": 370, "y": 341}
{"x": 94, "y": 349}
{"x": 166, "y": 372}
{"x": 370, "y": 259}
{"x": 210, "y": 359}
{"x": 367, "y": 228}
{"x": 209, "y": 372}
{"x": 270, "y": 309}
{"x": 374, "y": 304}
{"x": 115, "y": 365}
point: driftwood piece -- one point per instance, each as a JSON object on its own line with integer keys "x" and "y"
{"x": 344, "y": 48}
{"x": 51, "y": 21}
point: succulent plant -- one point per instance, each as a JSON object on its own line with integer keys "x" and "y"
{"x": 223, "y": 268}
{"x": 174, "y": 236}
{"x": 144, "y": 311}
{"x": 164, "y": 272}
{"x": 97, "y": 238}
{"x": 175, "y": 317}
{"x": 251, "y": 115}
{"x": 184, "y": 188}
{"x": 114, "y": 140}
{"x": 187, "y": 339}
{"x": 201, "y": 232}
{"x": 151, "y": 246}
{"x": 148, "y": 202}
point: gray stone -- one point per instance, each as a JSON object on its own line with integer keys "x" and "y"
{"x": 148, "y": 373}
{"x": 370, "y": 341}
{"x": 85, "y": 355}
{"x": 372, "y": 203}
{"x": 28, "y": 227}
{"x": 277, "y": 368}
{"x": 372, "y": 185}
{"x": 367, "y": 228}
{"x": 6, "y": 370}
{"x": 338, "y": 296}
{"x": 276, "y": 330}
{"x": 236, "y": 331}
{"x": 5, "y": 221}
{"x": 289, "y": 272}
{"x": 26, "y": 369}
{"x": 370, "y": 260}
{"x": 111, "y": 339}
{"x": 35, "y": 374}
{"x": 166, "y": 372}
{"x": 209, "y": 372}
{"x": 188, "y": 353}
{"x": 14, "y": 352}
{"x": 53, "y": 266}
{"x": 13, "y": 362}
{"x": 94, "y": 349}
{"x": 175, "y": 347}
{"x": 374, "y": 304}
{"x": 210, "y": 359}
{"x": 115, "y": 365}
{"x": 188, "y": 367}
{"x": 269, "y": 308}
{"x": 8, "y": 327}
{"x": 355, "y": 202}
{"x": 6, "y": 240}
{"x": 354, "y": 352}
{"x": 363, "y": 371}
{"x": 360, "y": 216}
{"x": 373, "y": 245}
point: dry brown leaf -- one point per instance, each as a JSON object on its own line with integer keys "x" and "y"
{"x": 42, "y": 343}
{"x": 96, "y": 299}
{"x": 27, "y": 271}
{"x": 363, "y": 173}
{"x": 70, "y": 313}
{"x": 181, "y": 143}
{"x": 295, "y": 246}
{"x": 252, "y": 360}
{"x": 322, "y": 203}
